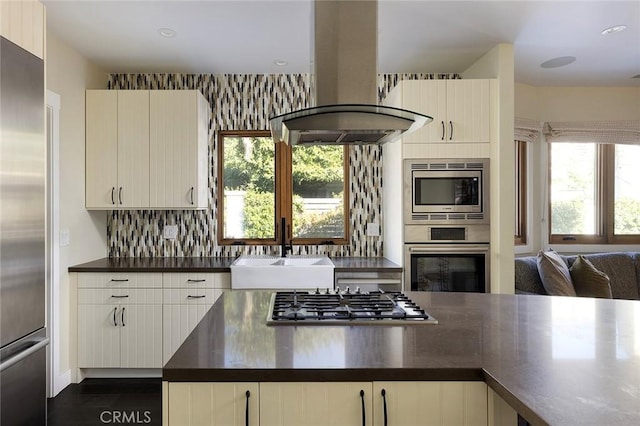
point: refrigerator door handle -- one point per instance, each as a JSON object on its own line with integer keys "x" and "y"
{"x": 37, "y": 345}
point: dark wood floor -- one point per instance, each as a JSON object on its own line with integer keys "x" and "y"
{"x": 107, "y": 401}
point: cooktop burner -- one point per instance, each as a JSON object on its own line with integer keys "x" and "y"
{"x": 330, "y": 308}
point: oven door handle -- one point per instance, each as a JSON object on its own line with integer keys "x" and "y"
{"x": 450, "y": 249}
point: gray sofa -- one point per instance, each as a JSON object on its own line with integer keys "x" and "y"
{"x": 623, "y": 270}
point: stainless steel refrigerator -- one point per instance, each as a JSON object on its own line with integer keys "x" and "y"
{"x": 22, "y": 238}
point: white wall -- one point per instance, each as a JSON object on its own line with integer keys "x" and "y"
{"x": 68, "y": 75}
{"x": 567, "y": 104}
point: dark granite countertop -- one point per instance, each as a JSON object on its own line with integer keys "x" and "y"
{"x": 560, "y": 361}
{"x": 215, "y": 264}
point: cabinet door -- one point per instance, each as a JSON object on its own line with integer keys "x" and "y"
{"x": 427, "y": 97}
{"x": 213, "y": 404}
{"x": 140, "y": 336}
{"x": 133, "y": 149}
{"x": 98, "y": 336}
{"x": 430, "y": 403}
{"x": 468, "y": 111}
{"x": 22, "y": 22}
{"x": 101, "y": 157}
{"x": 173, "y": 148}
{"x": 178, "y": 321}
{"x": 321, "y": 404}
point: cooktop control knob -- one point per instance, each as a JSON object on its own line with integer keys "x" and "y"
{"x": 317, "y": 290}
{"x": 357, "y": 290}
{"x": 348, "y": 290}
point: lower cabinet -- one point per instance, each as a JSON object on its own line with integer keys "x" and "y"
{"x": 327, "y": 403}
{"x": 138, "y": 320}
{"x": 213, "y": 404}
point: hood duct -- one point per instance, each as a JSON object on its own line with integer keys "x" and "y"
{"x": 345, "y": 86}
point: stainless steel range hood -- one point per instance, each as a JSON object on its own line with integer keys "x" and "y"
{"x": 345, "y": 84}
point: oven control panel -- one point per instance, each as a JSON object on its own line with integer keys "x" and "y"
{"x": 448, "y": 234}
{"x": 441, "y": 234}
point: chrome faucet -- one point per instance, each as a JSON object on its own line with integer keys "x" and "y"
{"x": 284, "y": 247}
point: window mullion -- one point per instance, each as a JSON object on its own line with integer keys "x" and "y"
{"x": 608, "y": 187}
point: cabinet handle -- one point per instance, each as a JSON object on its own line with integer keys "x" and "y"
{"x": 192, "y": 195}
{"x": 120, "y": 195}
{"x": 122, "y": 318}
{"x": 246, "y": 408}
{"x": 384, "y": 406}
{"x": 450, "y": 130}
{"x": 115, "y": 311}
{"x": 119, "y": 281}
{"x": 113, "y": 188}
{"x": 195, "y": 297}
{"x": 442, "y": 138}
{"x": 364, "y": 420}
{"x": 195, "y": 281}
{"x": 119, "y": 297}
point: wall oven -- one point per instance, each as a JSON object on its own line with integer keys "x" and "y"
{"x": 447, "y": 267}
{"x": 446, "y": 191}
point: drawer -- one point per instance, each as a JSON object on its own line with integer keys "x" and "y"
{"x": 196, "y": 280}
{"x": 119, "y": 296}
{"x": 119, "y": 280}
{"x": 188, "y": 280}
{"x": 195, "y": 296}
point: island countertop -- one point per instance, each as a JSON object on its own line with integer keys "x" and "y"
{"x": 555, "y": 360}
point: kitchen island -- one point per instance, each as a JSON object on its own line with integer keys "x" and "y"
{"x": 555, "y": 360}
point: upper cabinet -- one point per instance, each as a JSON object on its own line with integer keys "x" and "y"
{"x": 179, "y": 138}
{"x": 117, "y": 149}
{"x": 461, "y": 109}
{"x": 23, "y": 23}
{"x": 146, "y": 149}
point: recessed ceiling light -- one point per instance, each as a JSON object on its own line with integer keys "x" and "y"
{"x": 167, "y": 32}
{"x": 614, "y": 29}
{"x": 280, "y": 62}
{"x": 558, "y": 62}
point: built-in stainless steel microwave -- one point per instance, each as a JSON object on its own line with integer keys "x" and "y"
{"x": 446, "y": 191}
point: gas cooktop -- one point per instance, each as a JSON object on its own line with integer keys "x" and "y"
{"x": 343, "y": 307}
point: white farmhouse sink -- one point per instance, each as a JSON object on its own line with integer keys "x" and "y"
{"x": 273, "y": 272}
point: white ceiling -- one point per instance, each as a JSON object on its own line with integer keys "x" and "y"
{"x": 238, "y": 36}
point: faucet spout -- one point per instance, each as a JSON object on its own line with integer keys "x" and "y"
{"x": 284, "y": 247}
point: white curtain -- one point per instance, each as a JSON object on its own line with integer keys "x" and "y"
{"x": 526, "y": 130}
{"x": 620, "y": 132}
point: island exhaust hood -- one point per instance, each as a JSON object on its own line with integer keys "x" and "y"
{"x": 345, "y": 46}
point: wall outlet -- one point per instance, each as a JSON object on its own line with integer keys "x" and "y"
{"x": 170, "y": 232}
{"x": 373, "y": 229}
{"x": 65, "y": 237}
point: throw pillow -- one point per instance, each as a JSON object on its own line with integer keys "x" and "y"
{"x": 554, "y": 274}
{"x": 588, "y": 281}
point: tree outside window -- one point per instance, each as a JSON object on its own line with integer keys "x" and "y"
{"x": 261, "y": 182}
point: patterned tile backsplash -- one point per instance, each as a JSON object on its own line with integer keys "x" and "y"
{"x": 245, "y": 102}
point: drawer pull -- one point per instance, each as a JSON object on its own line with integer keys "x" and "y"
{"x": 195, "y": 297}
{"x": 119, "y": 281}
{"x": 195, "y": 281}
{"x": 119, "y": 297}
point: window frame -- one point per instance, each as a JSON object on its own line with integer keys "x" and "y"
{"x": 605, "y": 195}
{"x": 521, "y": 225}
{"x": 283, "y": 190}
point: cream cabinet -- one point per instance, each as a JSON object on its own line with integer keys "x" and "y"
{"x": 212, "y": 404}
{"x": 328, "y": 403}
{"x": 430, "y": 403}
{"x": 146, "y": 149}
{"x": 117, "y": 149}
{"x": 119, "y": 320}
{"x": 186, "y": 299}
{"x": 461, "y": 109}
{"x": 23, "y": 23}
{"x": 179, "y": 123}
